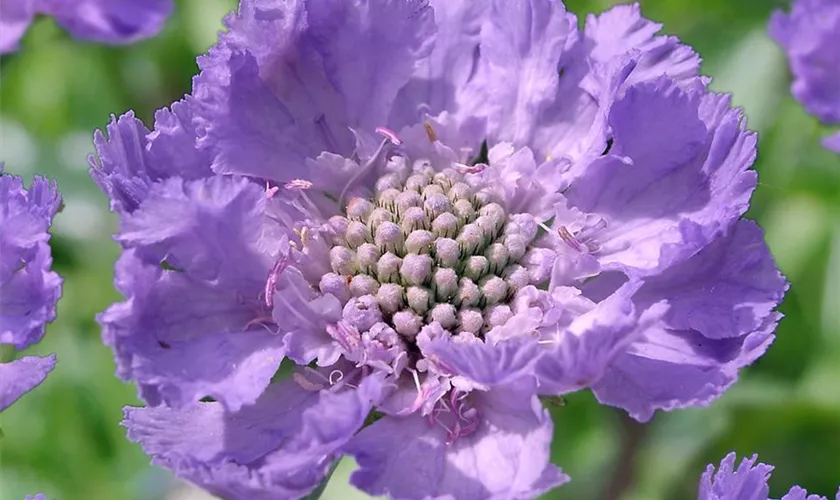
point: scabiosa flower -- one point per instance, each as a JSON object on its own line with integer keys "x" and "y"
{"x": 29, "y": 289}
{"x": 810, "y": 35}
{"x": 439, "y": 212}
{"x": 105, "y": 21}
{"x": 747, "y": 482}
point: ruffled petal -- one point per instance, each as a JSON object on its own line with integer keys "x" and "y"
{"x": 577, "y": 357}
{"x": 440, "y": 81}
{"x": 727, "y": 290}
{"x": 483, "y": 363}
{"x": 507, "y": 456}
{"x": 281, "y": 447}
{"x": 622, "y": 29}
{"x": 21, "y": 376}
{"x": 212, "y": 229}
{"x": 183, "y": 339}
{"x": 131, "y": 157}
{"x": 747, "y": 482}
{"x": 663, "y": 200}
{"x": 16, "y": 18}
{"x": 289, "y": 79}
{"x": 109, "y": 21}
{"x": 668, "y": 369}
{"x": 29, "y": 289}
{"x": 810, "y": 35}
{"x": 521, "y": 44}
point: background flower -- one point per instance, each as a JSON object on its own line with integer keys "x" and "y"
{"x": 106, "y": 21}
{"x": 29, "y": 288}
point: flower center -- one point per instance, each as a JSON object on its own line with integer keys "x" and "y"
{"x": 431, "y": 246}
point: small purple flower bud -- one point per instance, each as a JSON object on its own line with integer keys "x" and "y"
{"x": 497, "y": 315}
{"x": 471, "y": 238}
{"x": 460, "y": 191}
{"x": 470, "y": 320}
{"x": 343, "y": 260}
{"x": 539, "y": 262}
{"x": 475, "y": 267}
{"x": 446, "y": 283}
{"x": 412, "y": 219}
{"x": 497, "y": 256}
{"x": 437, "y": 204}
{"x": 388, "y": 197}
{"x": 494, "y": 289}
{"x": 338, "y": 225}
{"x": 445, "y": 315}
{"x": 445, "y": 225}
{"x": 447, "y": 252}
{"x": 464, "y": 210}
{"x": 356, "y": 234}
{"x": 419, "y": 299}
{"x": 367, "y": 255}
{"x": 407, "y": 323}
{"x": 362, "y": 284}
{"x": 525, "y": 225}
{"x": 390, "y": 297}
{"x": 416, "y": 269}
{"x": 377, "y": 217}
{"x": 388, "y": 235}
{"x": 408, "y": 199}
{"x": 516, "y": 276}
{"x": 359, "y": 208}
{"x": 516, "y": 246}
{"x": 388, "y": 181}
{"x": 361, "y": 312}
{"x": 388, "y": 267}
{"x": 416, "y": 182}
{"x": 468, "y": 293}
{"x": 431, "y": 189}
{"x": 419, "y": 241}
{"x": 335, "y": 285}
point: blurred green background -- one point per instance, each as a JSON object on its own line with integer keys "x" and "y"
{"x": 64, "y": 438}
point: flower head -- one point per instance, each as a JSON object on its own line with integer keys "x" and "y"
{"x": 746, "y": 482}
{"x": 440, "y": 212}
{"x": 105, "y": 21}
{"x": 810, "y": 35}
{"x": 29, "y": 289}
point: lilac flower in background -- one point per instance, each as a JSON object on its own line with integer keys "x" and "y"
{"x": 746, "y": 482}
{"x": 810, "y": 35}
{"x": 29, "y": 289}
{"x": 105, "y": 21}
{"x": 439, "y": 212}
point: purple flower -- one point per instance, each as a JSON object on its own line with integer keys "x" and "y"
{"x": 810, "y": 35}
{"x": 440, "y": 212}
{"x": 747, "y": 482}
{"x": 105, "y": 21}
{"x": 29, "y": 289}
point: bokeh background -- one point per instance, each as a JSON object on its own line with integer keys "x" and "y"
{"x": 64, "y": 439}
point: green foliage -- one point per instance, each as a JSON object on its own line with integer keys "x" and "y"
{"x": 65, "y": 439}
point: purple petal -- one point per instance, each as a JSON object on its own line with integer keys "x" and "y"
{"x": 622, "y": 29}
{"x": 810, "y": 35}
{"x": 726, "y": 290}
{"x": 29, "y": 289}
{"x": 131, "y": 157}
{"x": 507, "y": 456}
{"x": 281, "y": 447}
{"x": 665, "y": 204}
{"x": 484, "y": 363}
{"x": 669, "y": 369}
{"x": 521, "y": 43}
{"x": 747, "y": 482}
{"x": 289, "y": 79}
{"x": 16, "y": 18}
{"x": 109, "y": 21}
{"x": 21, "y": 376}
{"x": 580, "y": 355}
{"x": 440, "y": 81}
{"x": 183, "y": 339}
{"x": 212, "y": 229}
